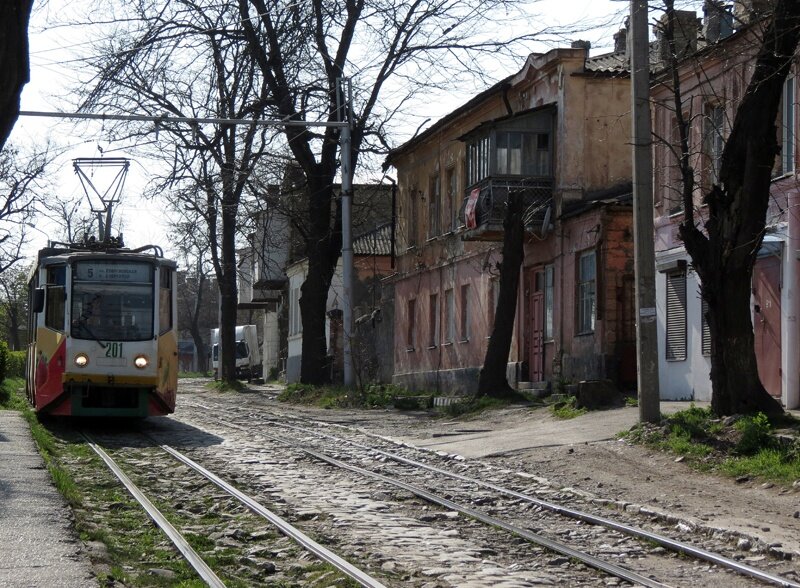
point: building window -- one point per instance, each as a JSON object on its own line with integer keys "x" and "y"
{"x": 518, "y": 153}
{"x": 411, "y": 324}
{"x": 676, "y": 316}
{"x": 548, "y": 302}
{"x": 434, "y": 202}
{"x": 295, "y": 319}
{"x": 451, "y": 184}
{"x": 713, "y": 128}
{"x": 705, "y": 343}
{"x": 413, "y": 217}
{"x": 464, "y": 316}
{"x": 673, "y": 191}
{"x": 450, "y": 316}
{"x": 587, "y": 294}
{"x": 477, "y": 160}
{"x": 433, "y": 320}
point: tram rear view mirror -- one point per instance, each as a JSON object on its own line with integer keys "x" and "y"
{"x": 37, "y": 303}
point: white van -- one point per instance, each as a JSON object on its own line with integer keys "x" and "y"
{"x": 248, "y": 357}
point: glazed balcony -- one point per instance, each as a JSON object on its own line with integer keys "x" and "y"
{"x": 489, "y": 206}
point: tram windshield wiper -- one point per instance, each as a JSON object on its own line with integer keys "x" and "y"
{"x": 82, "y": 324}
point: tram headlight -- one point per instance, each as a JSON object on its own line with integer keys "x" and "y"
{"x": 81, "y": 360}
{"x": 141, "y": 361}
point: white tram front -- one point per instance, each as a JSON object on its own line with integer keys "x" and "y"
{"x": 103, "y": 338}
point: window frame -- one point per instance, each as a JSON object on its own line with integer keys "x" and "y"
{"x": 586, "y": 293}
{"x": 549, "y": 302}
{"x": 450, "y": 316}
{"x": 434, "y": 206}
{"x": 433, "y": 320}
{"x": 411, "y": 324}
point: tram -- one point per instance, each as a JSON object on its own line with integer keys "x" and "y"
{"x": 102, "y": 331}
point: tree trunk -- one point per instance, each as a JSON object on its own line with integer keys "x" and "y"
{"x": 14, "y": 65}
{"x": 492, "y": 380}
{"x": 227, "y": 282}
{"x": 737, "y": 209}
{"x": 323, "y": 244}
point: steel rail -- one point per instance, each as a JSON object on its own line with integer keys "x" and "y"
{"x": 286, "y": 528}
{"x": 200, "y": 566}
{"x": 554, "y": 546}
{"x": 661, "y": 540}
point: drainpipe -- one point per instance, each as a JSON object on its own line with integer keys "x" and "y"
{"x": 394, "y": 219}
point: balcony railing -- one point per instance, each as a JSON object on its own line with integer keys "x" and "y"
{"x": 484, "y": 206}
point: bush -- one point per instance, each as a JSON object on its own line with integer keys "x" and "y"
{"x": 756, "y": 434}
{"x": 3, "y": 360}
{"x": 15, "y": 367}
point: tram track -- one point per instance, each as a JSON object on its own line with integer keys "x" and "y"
{"x": 197, "y": 563}
{"x": 683, "y": 548}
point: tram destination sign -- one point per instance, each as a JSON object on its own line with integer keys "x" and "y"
{"x": 112, "y": 271}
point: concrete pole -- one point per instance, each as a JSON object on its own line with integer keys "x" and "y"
{"x": 347, "y": 233}
{"x": 644, "y": 248}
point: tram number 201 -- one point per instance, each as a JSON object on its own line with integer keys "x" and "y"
{"x": 114, "y": 350}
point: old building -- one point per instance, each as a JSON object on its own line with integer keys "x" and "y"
{"x": 558, "y": 130}
{"x": 714, "y": 75}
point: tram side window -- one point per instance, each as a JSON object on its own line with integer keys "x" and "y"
{"x": 56, "y": 298}
{"x": 165, "y": 301}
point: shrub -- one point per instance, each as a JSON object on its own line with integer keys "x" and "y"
{"x": 3, "y": 360}
{"x": 15, "y": 366}
{"x": 756, "y": 434}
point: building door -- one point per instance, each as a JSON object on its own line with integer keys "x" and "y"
{"x": 767, "y": 321}
{"x": 534, "y": 323}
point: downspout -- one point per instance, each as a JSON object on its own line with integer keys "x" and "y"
{"x": 394, "y": 220}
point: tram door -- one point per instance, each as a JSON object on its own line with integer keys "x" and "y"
{"x": 767, "y": 321}
{"x": 534, "y": 323}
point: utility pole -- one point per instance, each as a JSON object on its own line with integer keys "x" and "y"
{"x": 644, "y": 248}
{"x": 344, "y": 95}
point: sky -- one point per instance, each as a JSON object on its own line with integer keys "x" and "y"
{"x": 141, "y": 221}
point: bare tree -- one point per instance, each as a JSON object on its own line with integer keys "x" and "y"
{"x": 13, "y": 305}
{"x": 724, "y": 243}
{"x": 196, "y": 307}
{"x": 14, "y": 64}
{"x": 187, "y": 59}
{"x": 20, "y": 174}
{"x": 303, "y": 48}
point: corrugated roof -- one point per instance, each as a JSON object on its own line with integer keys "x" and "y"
{"x": 607, "y": 63}
{"x": 378, "y": 241}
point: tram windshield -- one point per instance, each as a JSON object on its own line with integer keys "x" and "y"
{"x": 112, "y": 300}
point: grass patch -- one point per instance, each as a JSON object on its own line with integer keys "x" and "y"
{"x": 567, "y": 409}
{"x": 225, "y": 386}
{"x": 745, "y": 446}
{"x": 12, "y": 396}
{"x": 189, "y": 375}
{"x": 373, "y": 396}
{"x": 473, "y": 406}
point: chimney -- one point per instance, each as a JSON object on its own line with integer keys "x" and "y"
{"x": 685, "y": 33}
{"x": 749, "y": 11}
{"x": 717, "y": 21}
{"x": 621, "y": 40}
{"x": 582, "y": 45}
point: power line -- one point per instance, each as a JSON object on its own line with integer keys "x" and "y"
{"x": 181, "y": 119}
